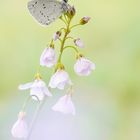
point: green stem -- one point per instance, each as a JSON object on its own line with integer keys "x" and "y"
{"x": 38, "y": 69}
{"x": 60, "y": 40}
{"x": 63, "y": 41}
{"x": 51, "y": 41}
{"x": 65, "y": 18}
{"x": 75, "y": 25}
{"x": 72, "y": 47}
{"x": 69, "y": 37}
{"x": 62, "y": 29}
{"x": 26, "y": 103}
{"x": 64, "y": 21}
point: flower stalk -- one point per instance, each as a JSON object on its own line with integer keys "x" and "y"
{"x": 67, "y": 31}
{"x": 72, "y": 47}
{"x": 60, "y": 78}
{"x": 35, "y": 117}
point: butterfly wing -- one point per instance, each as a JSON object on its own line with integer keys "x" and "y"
{"x": 45, "y": 11}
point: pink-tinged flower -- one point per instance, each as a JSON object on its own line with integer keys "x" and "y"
{"x": 65, "y": 105}
{"x": 20, "y": 128}
{"x": 83, "y": 66}
{"x": 84, "y": 20}
{"x": 79, "y": 43}
{"x": 56, "y": 35}
{"x": 38, "y": 89}
{"x": 60, "y": 79}
{"x": 48, "y": 57}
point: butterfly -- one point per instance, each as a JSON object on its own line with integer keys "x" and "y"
{"x": 47, "y": 11}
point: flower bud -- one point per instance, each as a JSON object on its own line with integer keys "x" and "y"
{"x": 71, "y": 12}
{"x": 56, "y": 35}
{"x": 84, "y": 20}
{"x": 78, "y": 42}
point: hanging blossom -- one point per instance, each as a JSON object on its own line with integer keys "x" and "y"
{"x": 79, "y": 43}
{"x": 48, "y": 57}
{"x": 60, "y": 79}
{"x": 38, "y": 89}
{"x": 20, "y": 128}
{"x": 83, "y": 66}
{"x": 65, "y": 104}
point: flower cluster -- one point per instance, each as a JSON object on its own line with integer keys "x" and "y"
{"x": 60, "y": 79}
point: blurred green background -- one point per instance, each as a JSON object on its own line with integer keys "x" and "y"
{"x": 107, "y": 102}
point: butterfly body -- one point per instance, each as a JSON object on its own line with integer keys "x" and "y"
{"x": 47, "y": 11}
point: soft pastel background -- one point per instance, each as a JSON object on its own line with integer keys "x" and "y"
{"x": 107, "y": 102}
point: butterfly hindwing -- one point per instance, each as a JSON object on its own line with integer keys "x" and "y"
{"x": 45, "y": 11}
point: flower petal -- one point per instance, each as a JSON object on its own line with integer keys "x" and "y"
{"x": 37, "y": 93}
{"x": 59, "y": 79}
{"x": 25, "y": 86}
{"x": 47, "y": 92}
{"x": 65, "y": 105}
{"x": 20, "y": 128}
{"x": 48, "y": 57}
{"x": 83, "y": 67}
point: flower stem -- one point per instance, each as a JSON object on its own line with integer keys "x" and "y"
{"x": 64, "y": 39}
{"x": 26, "y": 103}
{"x": 63, "y": 21}
{"x": 72, "y": 47}
{"x": 75, "y": 25}
{"x": 69, "y": 37}
{"x": 36, "y": 114}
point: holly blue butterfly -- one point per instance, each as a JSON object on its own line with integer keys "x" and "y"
{"x": 47, "y": 11}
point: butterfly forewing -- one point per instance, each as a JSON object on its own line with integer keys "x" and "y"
{"x": 45, "y": 11}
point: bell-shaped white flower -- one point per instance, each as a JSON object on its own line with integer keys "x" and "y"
{"x": 60, "y": 79}
{"x": 20, "y": 128}
{"x": 38, "y": 89}
{"x": 83, "y": 66}
{"x": 48, "y": 57}
{"x": 79, "y": 43}
{"x": 56, "y": 35}
{"x": 65, "y": 105}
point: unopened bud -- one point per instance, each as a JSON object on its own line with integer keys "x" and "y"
{"x": 84, "y": 20}
{"x": 71, "y": 12}
{"x": 56, "y": 35}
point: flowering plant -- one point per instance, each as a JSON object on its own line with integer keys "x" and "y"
{"x": 60, "y": 79}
